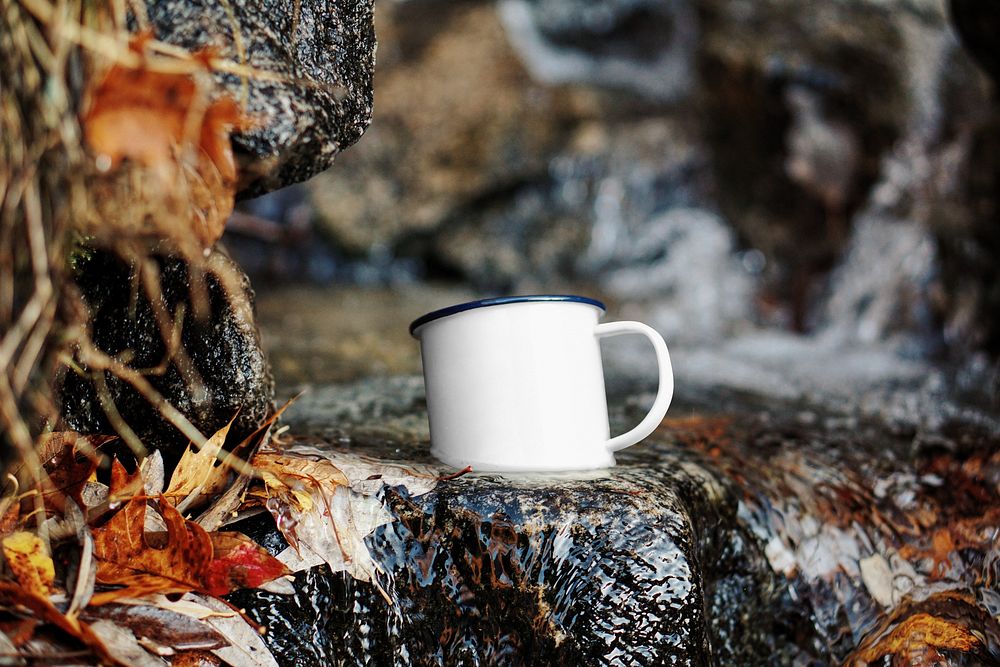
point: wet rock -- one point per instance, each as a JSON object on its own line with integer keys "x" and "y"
{"x": 217, "y": 372}
{"x": 748, "y": 537}
{"x": 886, "y": 541}
{"x": 603, "y": 568}
{"x": 314, "y": 95}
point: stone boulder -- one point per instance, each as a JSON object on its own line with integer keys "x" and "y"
{"x": 314, "y": 95}
{"x": 217, "y": 372}
{"x": 740, "y": 537}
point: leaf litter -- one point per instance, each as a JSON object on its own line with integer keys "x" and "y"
{"x": 128, "y": 550}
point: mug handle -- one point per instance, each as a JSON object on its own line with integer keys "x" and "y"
{"x": 664, "y": 392}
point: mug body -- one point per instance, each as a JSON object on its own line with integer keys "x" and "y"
{"x": 516, "y": 384}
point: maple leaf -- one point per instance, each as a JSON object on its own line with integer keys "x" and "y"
{"x": 30, "y": 562}
{"x": 170, "y": 562}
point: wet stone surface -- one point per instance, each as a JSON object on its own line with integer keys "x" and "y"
{"x": 223, "y": 375}
{"x": 751, "y": 538}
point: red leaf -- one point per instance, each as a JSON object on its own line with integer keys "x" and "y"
{"x": 239, "y": 563}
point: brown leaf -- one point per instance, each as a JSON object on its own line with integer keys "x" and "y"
{"x": 69, "y": 459}
{"x": 919, "y": 634}
{"x": 183, "y": 558}
{"x": 18, "y": 629}
{"x": 285, "y": 469}
{"x": 195, "y": 659}
{"x": 121, "y": 643}
{"x": 167, "y": 628}
{"x": 124, "y": 485}
{"x": 172, "y": 562}
{"x": 30, "y": 562}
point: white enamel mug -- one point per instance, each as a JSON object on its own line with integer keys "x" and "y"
{"x": 517, "y": 384}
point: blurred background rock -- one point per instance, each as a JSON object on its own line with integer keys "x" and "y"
{"x": 801, "y": 197}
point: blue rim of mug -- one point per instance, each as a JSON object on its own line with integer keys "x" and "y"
{"x": 501, "y": 301}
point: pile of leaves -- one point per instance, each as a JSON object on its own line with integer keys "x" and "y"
{"x": 110, "y": 559}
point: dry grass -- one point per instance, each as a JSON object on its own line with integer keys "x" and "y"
{"x": 56, "y": 197}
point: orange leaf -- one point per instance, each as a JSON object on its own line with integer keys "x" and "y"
{"x": 145, "y": 115}
{"x": 919, "y": 633}
{"x": 157, "y": 562}
{"x": 124, "y": 485}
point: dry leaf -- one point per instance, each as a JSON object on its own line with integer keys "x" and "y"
{"x": 195, "y": 659}
{"x": 246, "y": 648}
{"x": 8, "y": 649}
{"x": 124, "y": 485}
{"x": 123, "y": 645}
{"x": 199, "y": 471}
{"x": 176, "y": 563}
{"x": 144, "y": 115}
{"x": 168, "y": 126}
{"x": 320, "y": 471}
{"x": 182, "y": 558}
{"x": 368, "y": 475}
{"x": 325, "y": 514}
{"x": 30, "y": 562}
{"x": 239, "y": 562}
{"x": 84, "y": 576}
{"x": 152, "y": 474}
{"x": 70, "y": 460}
{"x": 181, "y": 632}
{"x": 17, "y": 630}
{"x": 225, "y": 505}
{"x": 921, "y": 633}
